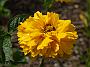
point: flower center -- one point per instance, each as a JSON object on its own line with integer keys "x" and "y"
{"x": 49, "y": 28}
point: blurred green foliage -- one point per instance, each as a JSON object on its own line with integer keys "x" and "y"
{"x": 47, "y": 4}
{"x": 87, "y": 29}
{"x": 86, "y": 57}
{"x": 4, "y": 12}
{"x": 2, "y": 59}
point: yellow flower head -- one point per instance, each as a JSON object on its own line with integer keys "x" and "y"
{"x": 46, "y": 35}
{"x": 66, "y": 1}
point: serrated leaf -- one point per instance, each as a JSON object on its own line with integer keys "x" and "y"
{"x": 7, "y": 48}
{"x": 14, "y": 22}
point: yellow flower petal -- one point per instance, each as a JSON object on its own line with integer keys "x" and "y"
{"x": 65, "y": 26}
{"x": 44, "y": 43}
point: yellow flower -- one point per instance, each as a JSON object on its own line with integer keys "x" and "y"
{"x": 46, "y": 35}
{"x": 67, "y": 1}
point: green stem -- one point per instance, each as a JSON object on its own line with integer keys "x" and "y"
{"x": 42, "y": 63}
{"x": 60, "y": 63}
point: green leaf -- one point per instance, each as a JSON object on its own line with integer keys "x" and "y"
{"x": 18, "y": 57}
{"x": 88, "y": 64}
{"x": 87, "y": 31}
{"x": 2, "y": 2}
{"x": 88, "y": 58}
{"x": 7, "y": 48}
{"x": 15, "y": 21}
{"x": 2, "y": 57}
{"x": 6, "y": 12}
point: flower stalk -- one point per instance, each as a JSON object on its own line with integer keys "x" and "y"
{"x": 60, "y": 63}
{"x": 42, "y": 63}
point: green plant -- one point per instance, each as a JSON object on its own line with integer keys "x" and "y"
{"x": 4, "y": 11}
{"x": 7, "y": 55}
